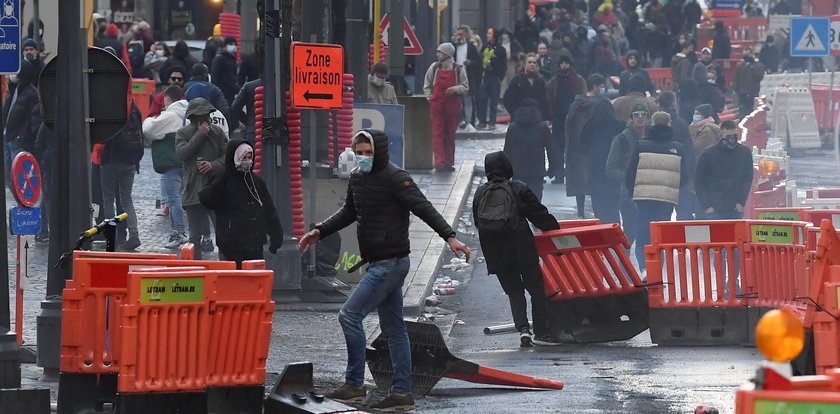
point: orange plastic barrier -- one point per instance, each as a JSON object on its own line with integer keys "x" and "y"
{"x": 745, "y": 30}
{"x": 777, "y": 263}
{"x": 688, "y": 263}
{"x": 188, "y": 330}
{"x": 91, "y": 306}
{"x": 755, "y": 128}
{"x": 776, "y": 394}
{"x": 728, "y": 115}
{"x": 660, "y": 77}
{"x": 816, "y": 217}
{"x": 823, "y": 193}
{"x": 142, "y": 91}
{"x": 824, "y": 288}
{"x": 589, "y": 261}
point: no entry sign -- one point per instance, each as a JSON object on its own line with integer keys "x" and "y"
{"x": 26, "y": 179}
{"x": 317, "y": 75}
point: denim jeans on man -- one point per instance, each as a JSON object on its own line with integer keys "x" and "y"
{"x": 380, "y": 289}
{"x": 170, "y": 185}
{"x": 119, "y": 178}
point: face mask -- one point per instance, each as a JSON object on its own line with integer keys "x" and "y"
{"x": 697, "y": 118}
{"x": 159, "y": 53}
{"x": 231, "y": 49}
{"x": 730, "y": 142}
{"x": 245, "y": 165}
{"x": 365, "y": 162}
{"x": 602, "y": 92}
{"x": 712, "y": 81}
{"x": 749, "y": 59}
{"x": 505, "y": 38}
{"x": 376, "y": 80}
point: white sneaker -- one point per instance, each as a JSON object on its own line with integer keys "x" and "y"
{"x": 176, "y": 240}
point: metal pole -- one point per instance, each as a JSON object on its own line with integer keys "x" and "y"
{"x": 275, "y": 148}
{"x": 36, "y": 13}
{"x": 396, "y": 44}
{"x": 9, "y": 350}
{"x": 71, "y": 175}
{"x": 356, "y": 44}
{"x": 830, "y": 102}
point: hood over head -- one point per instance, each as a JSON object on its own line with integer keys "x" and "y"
{"x": 528, "y": 112}
{"x": 705, "y": 110}
{"x": 197, "y": 90}
{"x": 181, "y": 50}
{"x": 379, "y": 141}
{"x": 635, "y": 53}
{"x": 698, "y": 73}
{"x": 199, "y": 107}
{"x": 26, "y": 72}
{"x": 497, "y": 166}
{"x": 230, "y": 155}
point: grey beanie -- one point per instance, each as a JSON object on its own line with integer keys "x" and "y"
{"x": 447, "y": 48}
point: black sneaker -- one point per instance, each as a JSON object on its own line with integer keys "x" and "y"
{"x": 525, "y": 340}
{"x": 348, "y": 393}
{"x": 206, "y": 244}
{"x": 546, "y": 340}
{"x": 395, "y": 402}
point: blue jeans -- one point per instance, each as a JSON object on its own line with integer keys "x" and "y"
{"x": 647, "y": 212}
{"x": 489, "y": 91}
{"x": 170, "y": 186}
{"x": 380, "y": 289}
{"x": 12, "y": 149}
{"x": 119, "y": 179}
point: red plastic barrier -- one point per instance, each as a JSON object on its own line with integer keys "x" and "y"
{"x": 754, "y": 128}
{"x": 188, "y": 330}
{"x": 782, "y": 213}
{"x": 823, "y": 193}
{"x": 142, "y": 91}
{"x": 688, "y": 263}
{"x": 660, "y": 77}
{"x": 819, "y": 93}
{"x": 823, "y": 290}
{"x": 90, "y": 311}
{"x": 230, "y": 24}
{"x": 776, "y": 261}
{"x": 589, "y": 261}
{"x": 816, "y": 217}
{"x": 258, "y": 123}
{"x": 294, "y": 124}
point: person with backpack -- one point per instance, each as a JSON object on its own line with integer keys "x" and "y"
{"x": 527, "y": 142}
{"x": 161, "y": 131}
{"x": 502, "y": 208}
{"x": 380, "y": 197}
{"x": 444, "y": 84}
{"x": 120, "y": 161}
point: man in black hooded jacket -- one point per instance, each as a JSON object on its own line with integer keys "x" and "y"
{"x": 633, "y": 68}
{"x": 512, "y": 256}
{"x": 20, "y": 115}
{"x": 380, "y": 197}
{"x": 527, "y": 141}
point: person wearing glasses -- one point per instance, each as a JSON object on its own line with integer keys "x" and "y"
{"x": 176, "y": 78}
{"x": 621, "y": 150}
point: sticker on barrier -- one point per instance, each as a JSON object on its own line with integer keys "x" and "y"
{"x": 594, "y": 292}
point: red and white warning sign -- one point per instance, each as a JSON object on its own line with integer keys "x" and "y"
{"x": 412, "y": 45}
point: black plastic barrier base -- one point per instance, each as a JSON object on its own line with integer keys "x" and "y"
{"x": 753, "y": 315}
{"x": 601, "y": 319}
{"x": 294, "y": 393}
{"x": 805, "y": 363}
{"x": 216, "y": 400}
{"x": 86, "y": 393}
{"x": 30, "y": 401}
{"x": 699, "y": 326}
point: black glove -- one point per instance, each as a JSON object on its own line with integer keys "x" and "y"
{"x": 273, "y": 248}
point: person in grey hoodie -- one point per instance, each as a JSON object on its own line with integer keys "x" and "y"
{"x": 201, "y": 147}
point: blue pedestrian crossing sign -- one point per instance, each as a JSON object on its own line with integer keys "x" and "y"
{"x": 809, "y": 36}
{"x": 10, "y": 37}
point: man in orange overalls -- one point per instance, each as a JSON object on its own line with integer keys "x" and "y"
{"x": 444, "y": 84}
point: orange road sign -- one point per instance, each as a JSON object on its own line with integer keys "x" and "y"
{"x": 317, "y": 74}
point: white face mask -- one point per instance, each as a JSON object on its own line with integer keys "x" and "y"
{"x": 159, "y": 53}
{"x": 231, "y": 49}
{"x": 376, "y": 80}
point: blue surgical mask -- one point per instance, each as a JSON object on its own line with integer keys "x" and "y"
{"x": 231, "y": 49}
{"x": 602, "y": 91}
{"x": 365, "y": 162}
{"x": 245, "y": 165}
{"x": 697, "y": 118}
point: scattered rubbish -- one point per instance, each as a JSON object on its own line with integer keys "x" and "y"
{"x": 437, "y": 311}
{"x": 444, "y": 291}
{"x": 480, "y": 259}
{"x": 459, "y": 322}
{"x": 456, "y": 264}
{"x": 445, "y": 279}
{"x": 432, "y": 300}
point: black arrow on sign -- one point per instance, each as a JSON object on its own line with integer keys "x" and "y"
{"x": 309, "y": 95}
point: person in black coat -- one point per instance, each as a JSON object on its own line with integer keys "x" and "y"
{"x": 208, "y": 91}
{"x": 223, "y": 70}
{"x": 110, "y": 39}
{"x": 20, "y": 113}
{"x": 526, "y": 85}
{"x": 722, "y": 42}
{"x": 245, "y": 212}
{"x": 180, "y": 57}
{"x": 769, "y": 56}
{"x": 633, "y": 61}
{"x": 245, "y": 100}
{"x": 512, "y": 255}
{"x": 527, "y": 142}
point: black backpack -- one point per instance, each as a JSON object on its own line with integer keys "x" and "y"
{"x": 497, "y": 209}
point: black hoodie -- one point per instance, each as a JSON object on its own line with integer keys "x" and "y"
{"x": 526, "y": 143}
{"x": 509, "y": 253}
{"x": 21, "y": 108}
{"x": 245, "y": 212}
{"x": 624, "y": 82}
{"x": 381, "y": 200}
